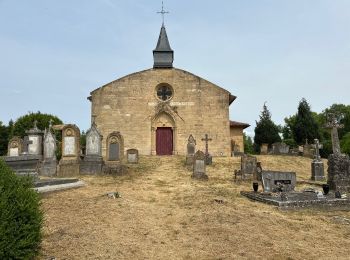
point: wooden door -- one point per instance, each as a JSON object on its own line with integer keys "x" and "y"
{"x": 164, "y": 141}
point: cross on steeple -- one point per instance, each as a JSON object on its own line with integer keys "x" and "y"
{"x": 162, "y": 12}
{"x": 334, "y": 125}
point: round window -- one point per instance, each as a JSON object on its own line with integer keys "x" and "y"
{"x": 164, "y": 92}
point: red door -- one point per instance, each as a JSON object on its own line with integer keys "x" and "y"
{"x": 164, "y": 141}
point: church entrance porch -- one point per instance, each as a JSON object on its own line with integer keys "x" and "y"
{"x": 164, "y": 141}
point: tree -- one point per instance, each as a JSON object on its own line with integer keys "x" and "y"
{"x": 305, "y": 125}
{"x": 4, "y": 137}
{"x": 345, "y": 143}
{"x": 266, "y": 131}
{"x": 27, "y": 121}
{"x": 248, "y": 144}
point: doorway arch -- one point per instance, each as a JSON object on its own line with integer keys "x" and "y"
{"x": 163, "y": 134}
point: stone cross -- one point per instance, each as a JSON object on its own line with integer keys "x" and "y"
{"x": 26, "y": 143}
{"x": 206, "y": 139}
{"x": 50, "y": 124}
{"x": 334, "y": 125}
{"x": 317, "y": 147}
{"x": 35, "y": 124}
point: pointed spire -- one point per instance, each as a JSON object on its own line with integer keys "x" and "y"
{"x": 163, "y": 55}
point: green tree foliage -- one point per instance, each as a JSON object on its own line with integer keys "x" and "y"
{"x": 4, "y": 137}
{"x": 20, "y": 216}
{"x": 345, "y": 143}
{"x": 266, "y": 131}
{"x": 27, "y": 121}
{"x": 305, "y": 125}
{"x": 248, "y": 144}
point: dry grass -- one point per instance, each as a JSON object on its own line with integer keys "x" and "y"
{"x": 164, "y": 214}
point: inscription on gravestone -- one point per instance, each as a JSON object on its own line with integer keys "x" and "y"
{"x": 14, "y": 151}
{"x": 69, "y": 145}
{"x": 114, "y": 152}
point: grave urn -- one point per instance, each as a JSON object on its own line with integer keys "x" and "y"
{"x": 325, "y": 188}
{"x": 255, "y": 186}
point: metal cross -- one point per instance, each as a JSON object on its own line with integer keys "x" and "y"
{"x": 334, "y": 125}
{"x": 164, "y": 93}
{"x": 162, "y": 12}
{"x": 206, "y": 139}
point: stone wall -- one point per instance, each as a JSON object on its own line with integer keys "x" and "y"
{"x": 130, "y": 106}
{"x": 236, "y": 135}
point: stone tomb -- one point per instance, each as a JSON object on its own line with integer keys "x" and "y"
{"x": 277, "y": 181}
{"x": 92, "y": 162}
{"x": 49, "y": 164}
{"x": 199, "y": 171}
{"x": 132, "y": 155}
{"x": 69, "y": 163}
{"x": 191, "y": 149}
{"x": 264, "y": 148}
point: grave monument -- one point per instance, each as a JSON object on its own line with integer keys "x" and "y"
{"x": 317, "y": 167}
{"x": 199, "y": 171}
{"x": 191, "y": 149}
{"x": 49, "y": 164}
{"x": 208, "y": 157}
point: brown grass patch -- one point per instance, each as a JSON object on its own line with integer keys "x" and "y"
{"x": 164, "y": 214}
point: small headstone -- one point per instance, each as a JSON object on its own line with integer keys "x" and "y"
{"x": 249, "y": 167}
{"x": 191, "y": 149}
{"x": 33, "y": 142}
{"x": 275, "y": 181}
{"x": 132, "y": 155}
{"x": 307, "y": 150}
{"x": 264, "y": 148}
{"x": 199, "y": 171}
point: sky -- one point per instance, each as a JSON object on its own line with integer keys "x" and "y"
{"x": 54, "y": 53}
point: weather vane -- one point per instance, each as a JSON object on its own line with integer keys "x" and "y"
{"x": 163, "y": 12}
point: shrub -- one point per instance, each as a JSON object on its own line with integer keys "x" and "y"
{"x": 20, "y": 216}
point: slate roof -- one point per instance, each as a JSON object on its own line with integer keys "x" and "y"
{"x": 238, "y": 124}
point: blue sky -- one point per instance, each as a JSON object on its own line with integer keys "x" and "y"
{"x": 54, "y": 53}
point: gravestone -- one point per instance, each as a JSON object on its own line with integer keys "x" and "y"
{"x": 338, "y": 163}
{"x": 307, "y": 150}
{"x": 280, "y": 148}
{"x": 132, "y": 155}
{"x": 208, "y": 157}
{"x": 317, "y": 167}
{"x": 191, "y": 149}
{"x": 199, "y": 164}
{"x": 92, "y": 162}
{"x": 69, "y": 164}
{"x": 277, "y": 181}
{"x": 15, "y": 146}
{"x": 248, "y": 167}
{"x": 264, "y": 148}
{"x": 49, "y": 164}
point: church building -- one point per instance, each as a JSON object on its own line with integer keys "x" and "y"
{"x": 157, "y": 109}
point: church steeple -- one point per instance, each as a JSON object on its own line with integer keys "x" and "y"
{"x": 163, "y": 55}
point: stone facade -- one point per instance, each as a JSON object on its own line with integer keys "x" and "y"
{"x": 236, "y": 135}
{"x": 131, "y": 106}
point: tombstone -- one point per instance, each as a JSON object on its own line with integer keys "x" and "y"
{"x": 191, "y": 149}
{"x": 49, "y": 164}
{"x": 199, "y": 164}
{"x": 280, "y": 148}
{"x": 249, "y": 168}
{"x": 208, "y": 157}
{"x": 338, "y": 163}
{"x": 264, "y": 148}
{"x": 15, "y": 146}
{"x": 307, "y": 150}
{"x": 69, "y": 164}
{"x": 132, "y": 155}
{"x": 317, "y": 167}
{"x": 92, "y": 162}
{"x": 277, "y": 181}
